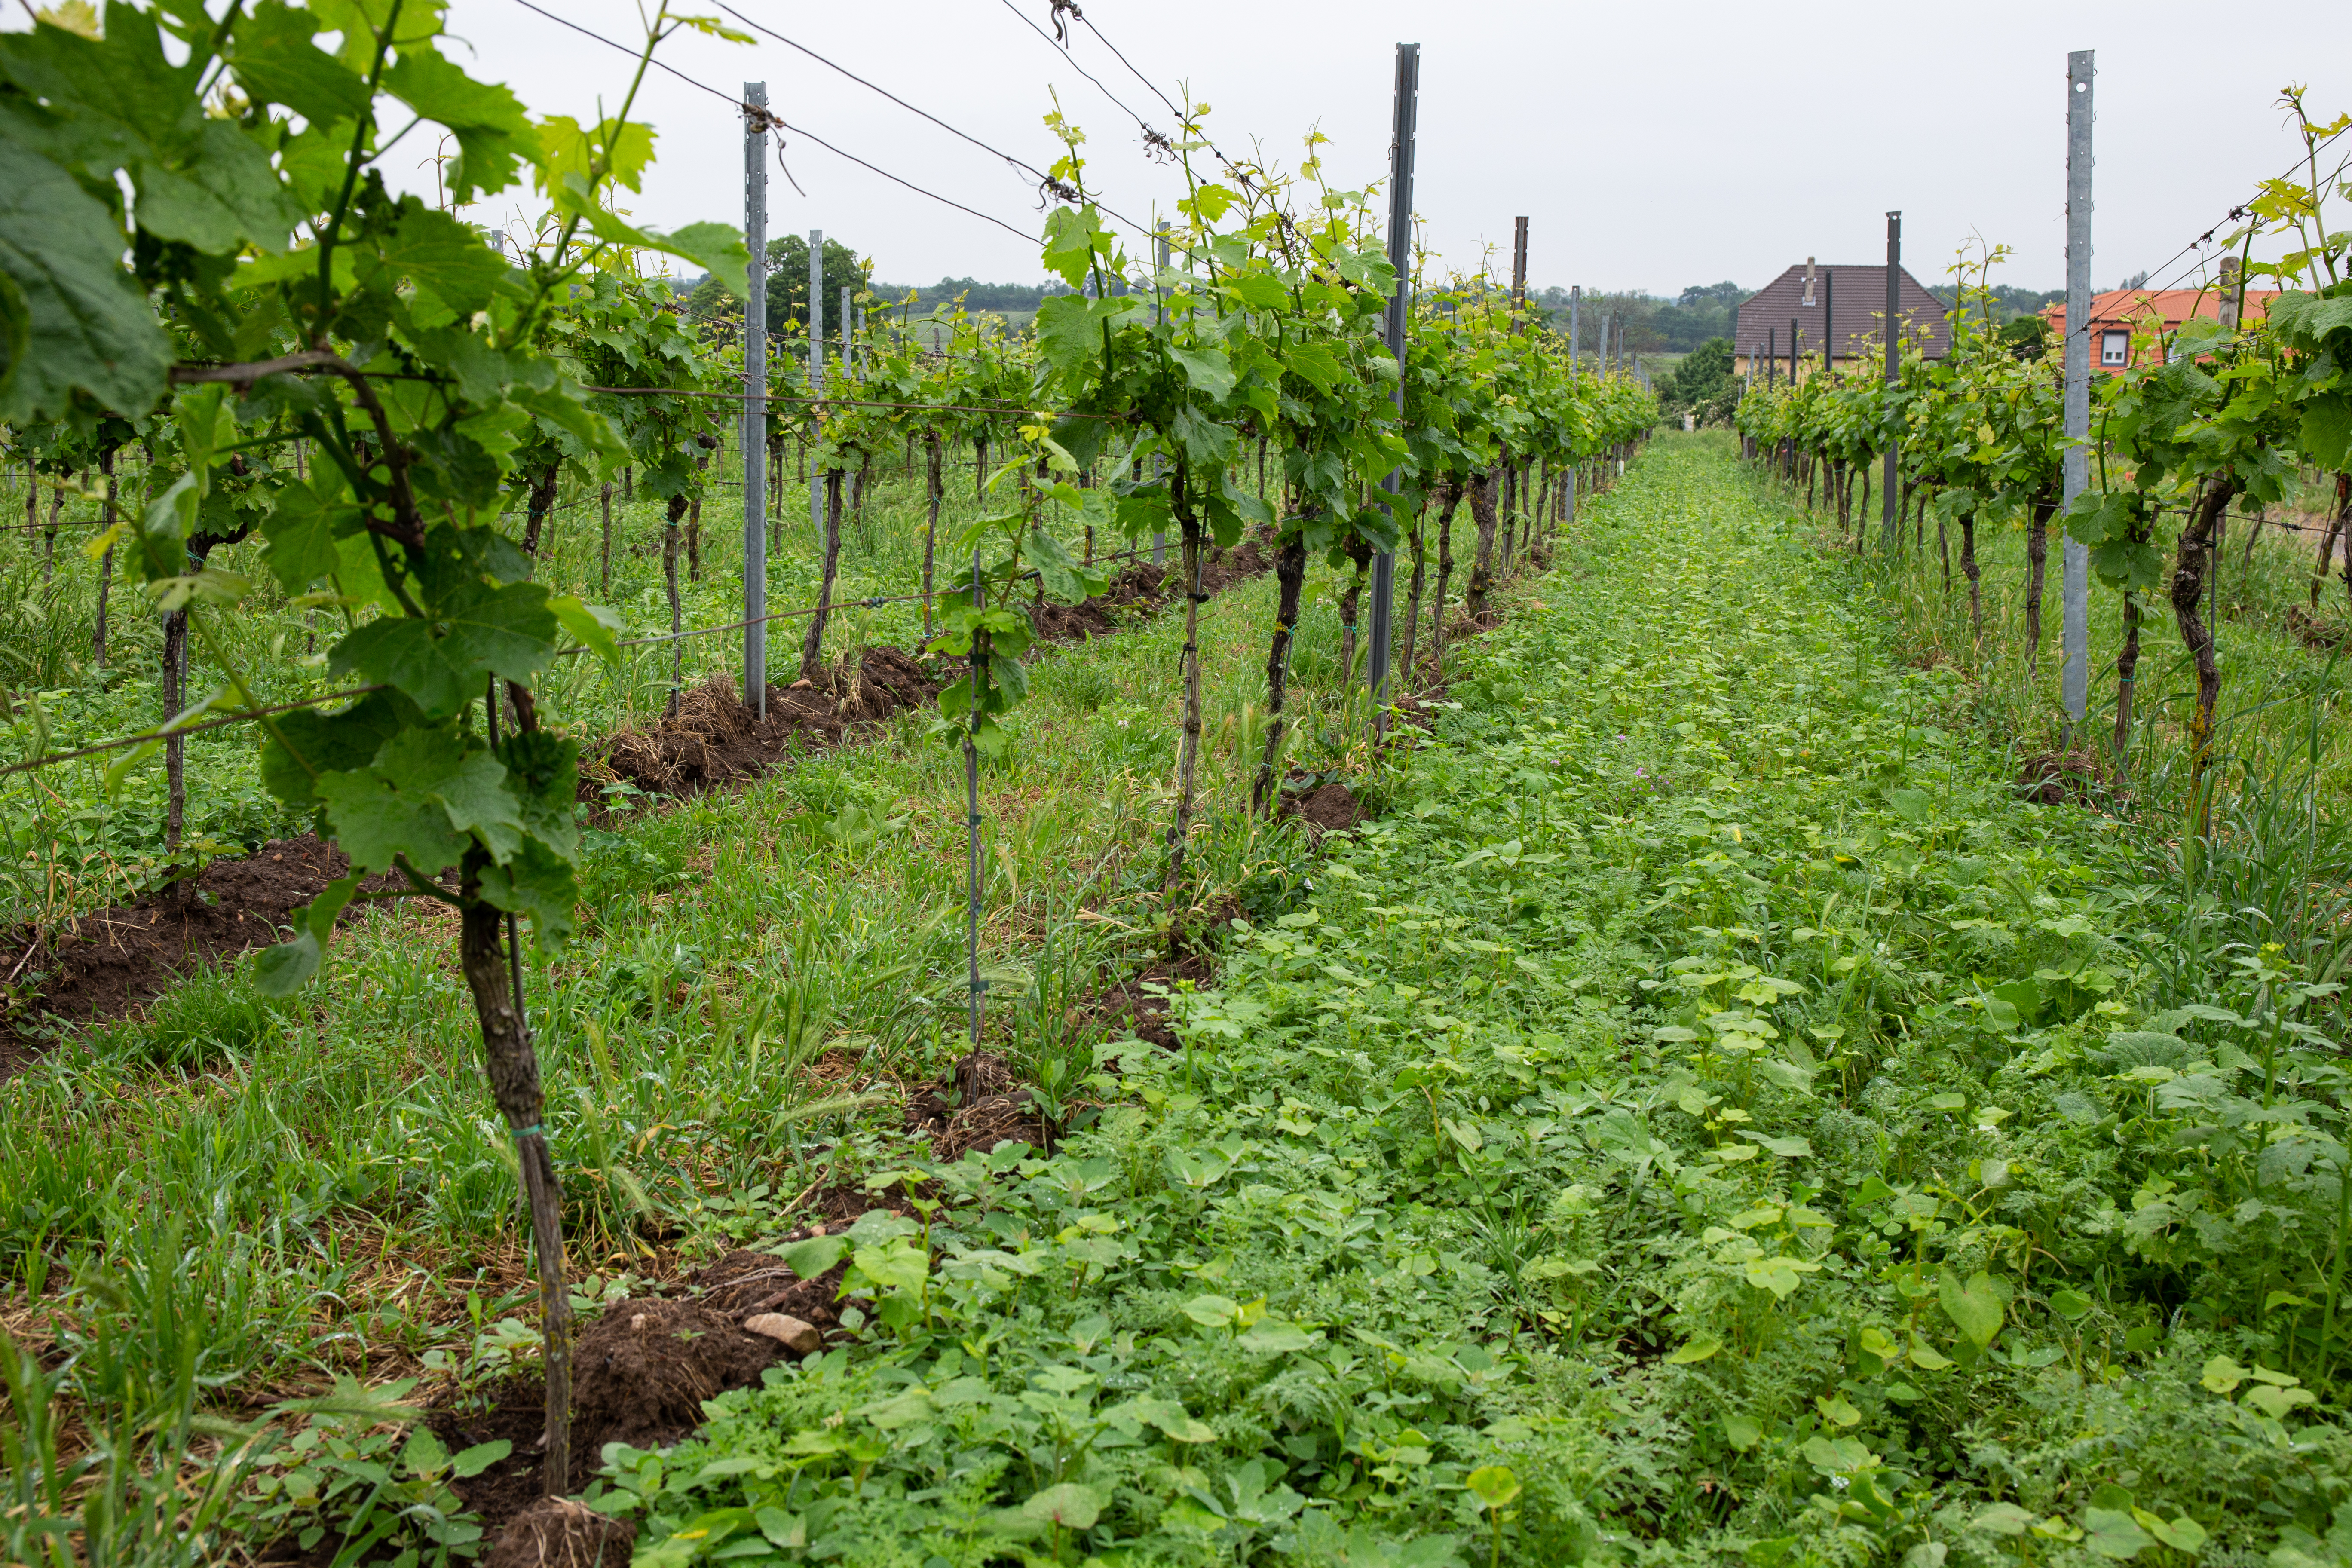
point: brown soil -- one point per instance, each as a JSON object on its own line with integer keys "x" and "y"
{"x": 1145, "y": 1013}
{"x": 1330, "y": 809}
{"x": 980, "y": 1107}
{"x": 103, "y": 965}
{"x": 643, "y": 1369}
{"x": 714, "y": 737}
{"x": 2056, "y": 777}
{"x": 556, "y": 1533}
{"x": 1143, "y": 588}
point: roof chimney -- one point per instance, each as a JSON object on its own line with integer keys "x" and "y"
{"x": 1809, "y": 279}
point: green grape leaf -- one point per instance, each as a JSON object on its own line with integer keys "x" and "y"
{"x": 1315, "y": 363}
{"x": 537, "y": 884}
{"x": 86, "y": 323}
{"x": 376, "y": 825}
{"x": 718, "y": 249}
{"x": 1258, "y": 291}
{"x": 306, "y": 744}
{"x": 1069, "y": 329}
{"x": 282, "y": 970}
{"x": 300, "y": 530}
{"x": 2328, "y": 428}
{"x": 275, "y": 61}
{"x": 449, "y": 769}
{"x": 437, "y": 252}
{"x": 1210, "y": 370}
{"x": 1072, "y": 238}
{"x": 495, "y": 137}
{"x": 505, "y": 631}
{"x": 225, "y": 194}
{"x": 543, "y": 773}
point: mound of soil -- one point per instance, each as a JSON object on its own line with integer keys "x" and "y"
{"x": 745, "y": 1284}
{"x": 981, "y": 1106}
{"x": 642, "y": 1371}
{"x": 556, "y": 1533}
{"x": 101, "y": 966}
{"x": 1145, "y": 1013}
{"x": 1143, "y": 588}
{"x": 714, "y": 737}
{"x": 1333, "y": 809}
{"x": 2054, "y": 778}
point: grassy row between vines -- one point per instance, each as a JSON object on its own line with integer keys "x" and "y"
{"x": 759, "y": 974}
{"x": 69, "y": 844}
{"x": 1707, "y": 1117}
{"x": 2272, "y": 675}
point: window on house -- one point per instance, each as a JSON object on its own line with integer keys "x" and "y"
{"x": 2114, "y": 348}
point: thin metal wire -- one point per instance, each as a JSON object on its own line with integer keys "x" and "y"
{"x": 875, "y": 602}
{"x": 798, "y": 130}
{"x": 167, "y": 731}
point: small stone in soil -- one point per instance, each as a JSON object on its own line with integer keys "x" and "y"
{"x": 795, "y": 1334}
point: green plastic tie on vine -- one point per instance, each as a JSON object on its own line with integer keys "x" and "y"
{"x": 531, "y": 1131}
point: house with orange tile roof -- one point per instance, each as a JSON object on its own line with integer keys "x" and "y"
{"x": 2122, "y": 314}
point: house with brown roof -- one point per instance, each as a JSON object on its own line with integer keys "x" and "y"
{"x": 1844, "y": 305}
{"x": 2120, "y": 316}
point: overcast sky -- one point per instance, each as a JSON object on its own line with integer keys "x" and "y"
{"x": 1652, "y": 147}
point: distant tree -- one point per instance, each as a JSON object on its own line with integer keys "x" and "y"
{"x": 2011, "y": 303}
{"x": 1701, "y": 384}
{"x": 788, "y": 266}
{"x": 976, "y": 295}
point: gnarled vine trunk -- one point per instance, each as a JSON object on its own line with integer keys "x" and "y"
{"x": 1481, "y": 566}
{"x": 1412, "y": 629}
{"x": 2330, "y": 532}
{"x": 606, "y": 557}
{"x": 1188, "y": 748}
{"x": 2126, "y": 677}
{"x": 931, "y": 521}
{"x": 2192, "y": 561}
{"x": 539, "y": 503}
{"x": 812, "y": 641}
{"x": 1451, "y": 497}
{"x": 1351, "y": 598}
{"x": 513, "y": 1070}
{"x": 2037, "y": 554}
{"x": 676, "y": 510}
{"x": 1290, "y": 577}
{"x": 1970, "y": 570}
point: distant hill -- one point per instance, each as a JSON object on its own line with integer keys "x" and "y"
{"x": 977, "y": 295}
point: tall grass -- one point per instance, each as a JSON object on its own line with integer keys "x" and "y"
{"x": 2274, "y": 862}
{"x": 760, "y": 977}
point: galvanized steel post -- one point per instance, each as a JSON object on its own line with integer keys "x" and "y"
{"x": 1408, "y": 93}
{"x": 2074, "y": 585}
{"x": 1890, "y": 512}
{"x": 754, "y": 428}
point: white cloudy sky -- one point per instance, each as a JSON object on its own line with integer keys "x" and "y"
{"x": 1652, "y": 147}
